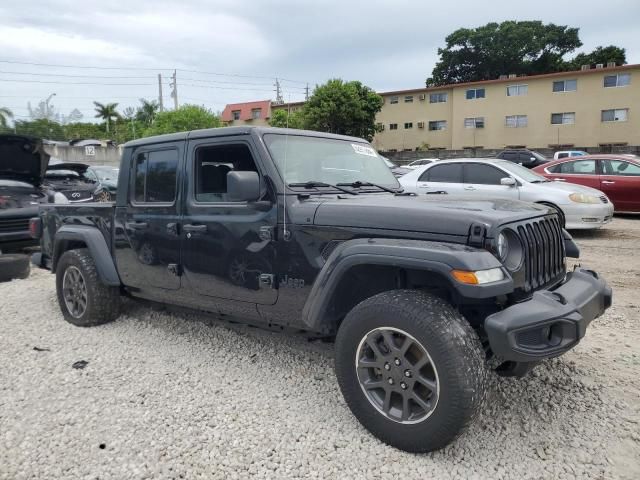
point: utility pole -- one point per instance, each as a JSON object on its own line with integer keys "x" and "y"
{"x": 306, "y": 93}
{"x": 174, "y": 92}
{"x": 160, "y": 92}
{"x": 279, "y": 99}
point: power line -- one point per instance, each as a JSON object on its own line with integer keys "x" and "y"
{"x": 72, "y": 83}
{"x": 34, "y": 74}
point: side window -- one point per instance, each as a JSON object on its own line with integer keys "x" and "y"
{"x": 155, "y": 176}
{"x": 451, "y": 173}
{"x": 213, "y": 163}
{"x": 511, "y": 156}
{"x": 584, "y": 167}
{"x": 618, "y": 167}
{"x": 525, "y": 157}
{"x": 483, "y": 174}
{"x": 563, "y": 155}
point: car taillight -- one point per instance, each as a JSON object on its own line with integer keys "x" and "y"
{"x": 35, "y": 228}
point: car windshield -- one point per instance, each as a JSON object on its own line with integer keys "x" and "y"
{"x": 302, "y": 159}
{"x": 522, "y": 172}
{"x": 106, "y": 174}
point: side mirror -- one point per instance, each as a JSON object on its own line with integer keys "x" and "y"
{"x": 508, "y": 181}
{"x": 532, "y": 159}
{"x": 243, "y": 186}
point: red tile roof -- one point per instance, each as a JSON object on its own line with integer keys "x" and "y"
{"x": 245, "y": 110}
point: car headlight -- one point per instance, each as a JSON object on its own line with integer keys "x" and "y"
{"x": 583, "y": 198}
{"x": 509, "y": 249}
{"x": 59, "y": 198}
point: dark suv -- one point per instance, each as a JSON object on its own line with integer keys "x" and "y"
{"x": 526, "y": 158}
{"x": 306, "y": 231}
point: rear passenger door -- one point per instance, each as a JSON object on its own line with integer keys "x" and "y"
{"x": 483, "y": 179}
{"x": 441, "y": 178}
{"x": 147, "y": 242}
{"x": 582, "y": 172}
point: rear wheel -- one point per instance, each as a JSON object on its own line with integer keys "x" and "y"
{"x": 411, "y": 369}
{"x": 84, "y": 300}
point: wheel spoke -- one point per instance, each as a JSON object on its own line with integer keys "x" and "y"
{"x": 406, "y": 410}
{"x": 371, "y": 343}
{"x": 373, "y": 384}
{"x": 426, "y": 406}
{"x": 405, "y": 346}
{"x": 388, "y": 340}
{"x": 422, "y": 362}
{"x": 430, "y": 384}
{"x": 368, "y": 363}
{"x": 387, "y": 401}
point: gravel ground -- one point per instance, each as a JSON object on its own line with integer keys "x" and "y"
{"x": 175, "y": 395}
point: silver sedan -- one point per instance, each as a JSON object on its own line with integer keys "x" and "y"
{"x": 579, "y": 207}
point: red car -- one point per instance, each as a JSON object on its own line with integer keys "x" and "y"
{"x": 618, "y": 176}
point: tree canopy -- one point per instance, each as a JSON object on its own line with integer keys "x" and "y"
{"x": 527, "y": 47}
{"x": 5, "y": 115}
{"x": 107, "y": 112}
{"x": 187, "y": 117}
{"x": 281, "y": 118}
{"x": 347, "y": 108}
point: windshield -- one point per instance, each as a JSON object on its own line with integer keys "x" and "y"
{"x": 523, "y": 172}
{"x": 314, "y": 159}
{"x": 106, "y": 174}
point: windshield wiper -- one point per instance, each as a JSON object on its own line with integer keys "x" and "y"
{"x": 313, "y": 184}
{"x": 358, "y": 184}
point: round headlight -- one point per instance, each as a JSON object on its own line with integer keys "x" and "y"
{"x": 510, "y": 251}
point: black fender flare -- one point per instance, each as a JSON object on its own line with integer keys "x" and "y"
{"x": 437, "y": 257}
{"x": 97, "y": 246}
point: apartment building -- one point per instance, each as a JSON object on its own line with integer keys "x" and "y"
{"x": 591, "y": 107}
{"x": 587, "y": 108}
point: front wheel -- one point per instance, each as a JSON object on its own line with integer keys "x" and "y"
{"x": 411, "y": 369}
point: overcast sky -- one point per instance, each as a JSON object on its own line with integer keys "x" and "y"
{"x": 387, "y": 44}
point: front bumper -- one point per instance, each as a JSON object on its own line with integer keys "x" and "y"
{"x": 551, "y": 322}
{"x": 585, "y": 216}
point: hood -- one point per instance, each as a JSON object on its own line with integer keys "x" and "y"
{"x": 569, "y": 188}
{"x": 15, "y": 194}
{"x": 442, "y": 214}
{"x": 22, "y": 158}
{"x": 75, "y": 167}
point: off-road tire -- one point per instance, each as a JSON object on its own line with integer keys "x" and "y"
{"x": 14, "y": 265}
{"x": 103, "y": 302}
{"x": 456, "y": 353}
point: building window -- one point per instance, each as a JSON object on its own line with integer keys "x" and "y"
{"x": 235, "y": 114}
{"x": 566, "y": 118}
{"x": 474, "y": 93}
{"x": 517, "y": 90}
{"x": 256, "y": 113}
{"x": 438, "y": 125}
{"x": 408, "y": 99}
{"x": 408, "y": 125}
{"x": 477, "y": 122}
{"x": 615, "y": 115}
{"x": 393, "y": 99}
{"x": 619, "y": 80}
{"x": 565, "y": 86}
{"x": 515, "y": 121}
{"x": 393, "y": 126}
{"x": 438, "y": 97}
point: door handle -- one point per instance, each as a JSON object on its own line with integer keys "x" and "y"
{"x": 424, "y": 185}
{"x": 190, "y": 228}
{"x": 608, "y": 182}
{"x": 136, "y": 225}
{"x": 470, "y": 188}
{"x": 559, "y": 180}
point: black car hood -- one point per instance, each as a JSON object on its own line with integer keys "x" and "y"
{"x": 22, "y": 158}
{"x": 443, "y": 214}
{"x": 74, "y": 167}
{"x": 16, "y": 196}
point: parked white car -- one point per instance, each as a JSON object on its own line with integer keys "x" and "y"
{"x": 568, "y": 153}
{"x": 420, "y": 162}
{"x": 579, "y": 207}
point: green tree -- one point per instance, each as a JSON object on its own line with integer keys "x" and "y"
{"x": 41, "y": 128}
{"x": 84, "y": 130}
{"x": 5, "y": 115}
{"x": 107, "y": 112}
{"x": 602, "y": 55}
{"x": 486, "y": 52}
{"x": 147, "y": 111}
{"x": 347, "y": 108}
{"x": 187, "y": 117}
{"x": 281, "y": 118}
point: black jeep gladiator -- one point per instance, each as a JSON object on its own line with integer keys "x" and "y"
{"x": 306, "y": 231}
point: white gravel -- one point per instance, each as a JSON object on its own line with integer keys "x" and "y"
{"x": 177, "y": 396}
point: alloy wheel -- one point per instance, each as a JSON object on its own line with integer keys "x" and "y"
{"x": 74, "y": 291}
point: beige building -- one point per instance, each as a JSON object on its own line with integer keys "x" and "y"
{"x": 592, "y": 107}
{"x": 586, "y": 108}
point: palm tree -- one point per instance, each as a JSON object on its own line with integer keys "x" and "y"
{"x": 107, "y": 112}
{"x": 5, "y": 115}
{"x": 147, "y": 111}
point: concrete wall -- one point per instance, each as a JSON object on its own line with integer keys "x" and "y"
{"x": 102, "y": 155}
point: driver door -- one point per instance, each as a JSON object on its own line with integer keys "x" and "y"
{"x": 483, "y": 179}
{"x": 441, "y": 178}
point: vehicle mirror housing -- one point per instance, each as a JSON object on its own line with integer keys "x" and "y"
{"x": 533, "y": 159}
{"x": 243, "y": 186}
{"x": 508, "y": 181}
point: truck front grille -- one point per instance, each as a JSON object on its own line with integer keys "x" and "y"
{"x": 13, "y": 225}
{"x": 543, "y": 244}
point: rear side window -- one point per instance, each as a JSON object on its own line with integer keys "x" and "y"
{"x": 584, "y": 167}
{"x": 483, "y": 174}
{"x": 451, "y": 173}
{"x": 618, "y": 167}
{"x": 155, "y": 176}
{"x": 511, "y": 156}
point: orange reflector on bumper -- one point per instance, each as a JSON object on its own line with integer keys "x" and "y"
{"x": 465, "y": 277}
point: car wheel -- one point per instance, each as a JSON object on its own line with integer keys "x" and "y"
{"x": 14, "y": 265}
{"x": 411, "y": 369}
{"x": 103, "y": 196}
{"x": 84, "y": 300}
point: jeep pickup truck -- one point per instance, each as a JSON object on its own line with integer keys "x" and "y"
{"x": 306, "y": 231}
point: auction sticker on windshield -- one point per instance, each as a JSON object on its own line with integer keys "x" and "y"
{"x": 364, "y": 150}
